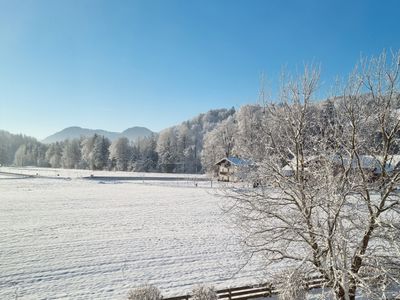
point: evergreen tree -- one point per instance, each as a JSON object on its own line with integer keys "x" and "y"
{"x": 120, "y": 154}
{"x": 100, "y": 153}
{"x": 54, "y": 154}
{"x": 71, "y": 154}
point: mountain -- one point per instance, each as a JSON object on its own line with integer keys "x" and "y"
{"x": 76, "y": 132}
{"x": 136, "y": 132}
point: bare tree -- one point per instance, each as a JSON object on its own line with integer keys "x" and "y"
{"x": 329, "y": 203}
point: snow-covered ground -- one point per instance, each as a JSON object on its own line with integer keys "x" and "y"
{"x": 88, "y": 239}
{"x": 72, "y": 173}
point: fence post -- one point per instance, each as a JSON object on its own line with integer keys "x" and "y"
{"x": 230, "y": 294}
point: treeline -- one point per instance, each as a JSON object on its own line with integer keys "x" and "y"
{"x": 10, "y": 144}
{"x": 99, "y": 153}
{"x": 191, "y": 147}
{"x": 176, "y": 149}
{"x": 248, "y": 133}
{"x": 244, "y": 134}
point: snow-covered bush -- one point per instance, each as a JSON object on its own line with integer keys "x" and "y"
{"x": 145, "y": 292}
{"x": 291, "y": 285}
{"x": 204, "y": 292}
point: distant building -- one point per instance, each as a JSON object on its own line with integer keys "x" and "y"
{"x": 232, "y": 169}
{"x": 371, "y": 165}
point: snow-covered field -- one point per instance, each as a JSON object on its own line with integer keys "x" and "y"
{"x": 72, "y": 173}
{"x": 88, "y": 239}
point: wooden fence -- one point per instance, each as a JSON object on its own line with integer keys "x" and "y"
{"x": 253, "y": 291}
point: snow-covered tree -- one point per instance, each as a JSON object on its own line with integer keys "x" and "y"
{"x": 87, "y": 144}
{"x": 71, "y": 154}
{"x": 95, "y": 151}
{"x": 120, "y": 154}
{"x": 329, "y": 203}
{"x": 167, "y": 150}
{"x": 291, "y": 284}
{"x": 204, "y": 292}
{"x": 145, "y": 292}
{"x": 54, "y": 154}
{"x": 219, "y": 143}
{"x": 9, "y": 144}
{"x": 23, "y": 156}
{"x": 249, "y": 120}
{"x": 31, "y": 154}
{"x": 100, "y": 152}
{"x": 179, "y": 148}
{"x": 146, "y": 157}
{"x": 184, "y": 147}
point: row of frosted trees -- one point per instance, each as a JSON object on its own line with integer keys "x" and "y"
{"x": 99, "y": 153}
{"x": 176, "y": 149}
{"x": 191, "y": 147}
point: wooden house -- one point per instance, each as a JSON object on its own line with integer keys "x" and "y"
{"x": 232, "y": 169}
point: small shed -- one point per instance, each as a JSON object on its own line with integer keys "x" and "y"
{"x": 232, "y": 169}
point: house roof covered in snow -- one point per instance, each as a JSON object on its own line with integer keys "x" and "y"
{"x": 235, "y": 161}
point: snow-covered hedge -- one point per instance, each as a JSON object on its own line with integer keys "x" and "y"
{"x": 291, "y": 285}
{"x": 203, "y": 292}
{"x": 145, "y": 292}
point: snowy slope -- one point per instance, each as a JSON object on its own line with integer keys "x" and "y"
{"x": 79, "y": 239}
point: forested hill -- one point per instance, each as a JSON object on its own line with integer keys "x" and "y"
{"x": 175, "y": 149}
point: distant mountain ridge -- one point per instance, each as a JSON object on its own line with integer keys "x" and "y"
{"x": 74, "y": 132}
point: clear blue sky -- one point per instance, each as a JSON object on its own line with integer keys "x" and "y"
{"x": 117, "y": 64}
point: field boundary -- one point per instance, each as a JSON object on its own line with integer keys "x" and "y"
{"x": 145, "y": 178}
{"x": 254, "y": 291}
{"x": 24, "y": 176}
